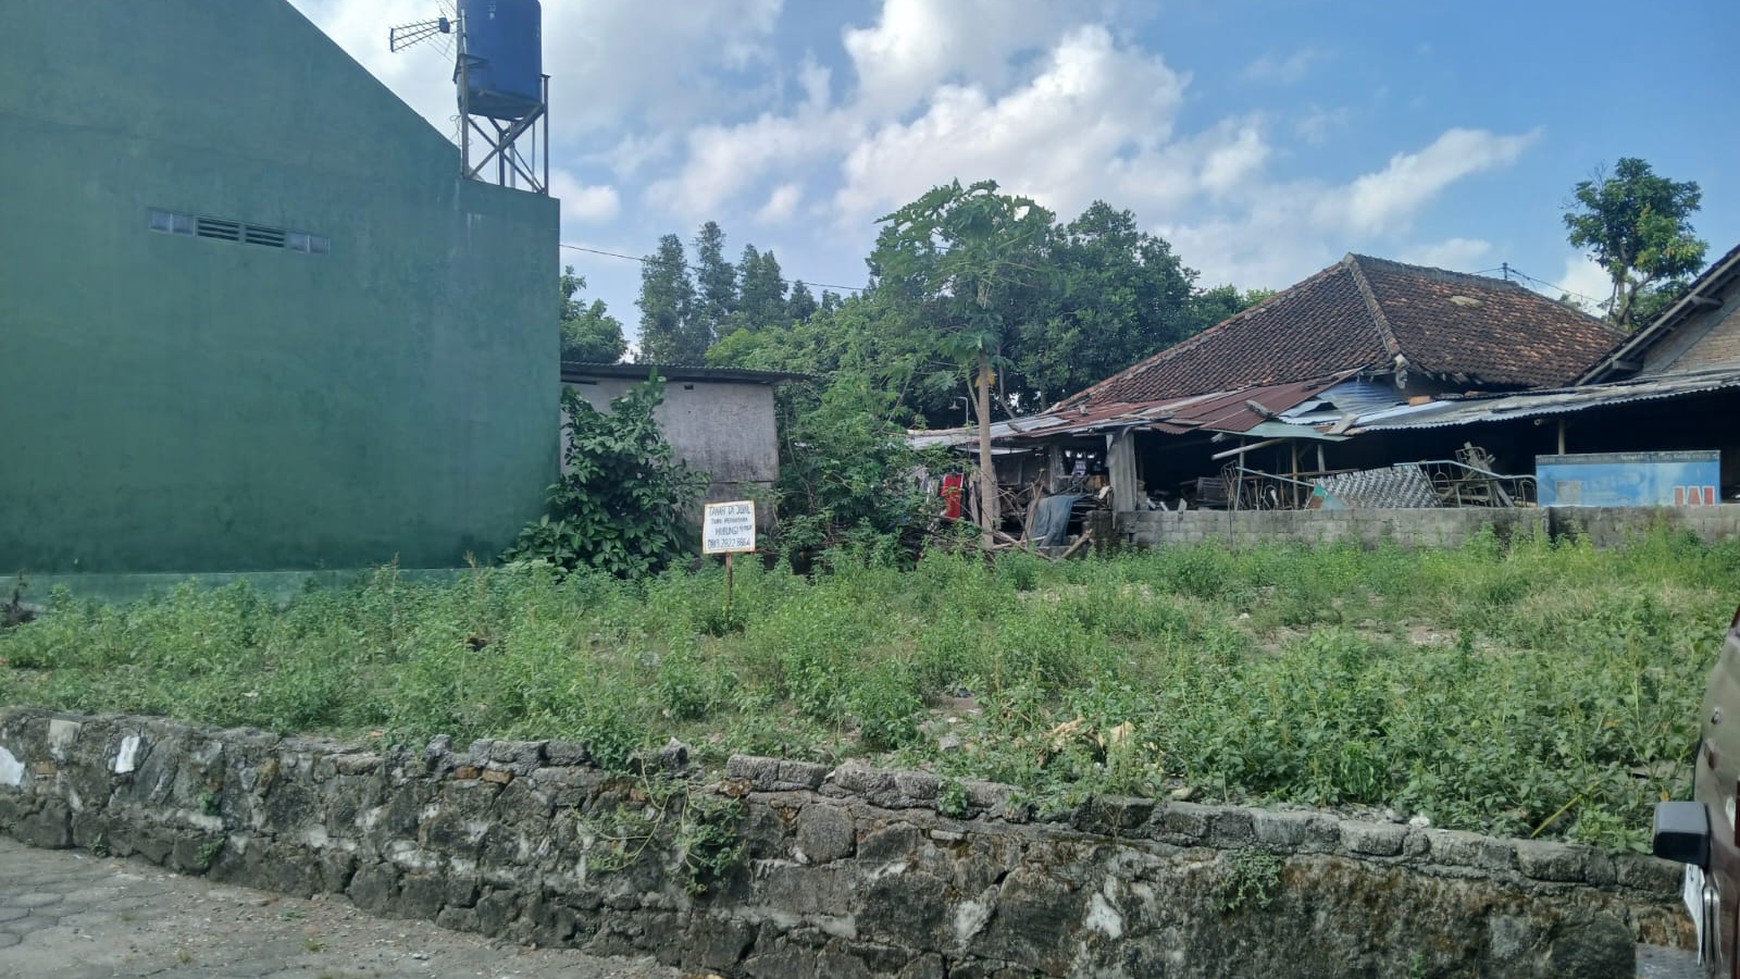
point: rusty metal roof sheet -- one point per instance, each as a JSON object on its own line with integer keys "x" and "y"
{"x": 1236, "y": 411}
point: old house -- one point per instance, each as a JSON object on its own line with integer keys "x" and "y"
{"x": 1672, "y": 387}
{"x": 718, "y": 420}
{"x": 1253, "y": 410}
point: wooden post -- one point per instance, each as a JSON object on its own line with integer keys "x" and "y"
{"x": 1293, "y": 487}
{"x": 1054, "y": 468}
{"x": 1121, "y": 465}
{"x": 1561, "y": 436}
{"x": 730, "y": 582}
{"x": 988, "y": 516}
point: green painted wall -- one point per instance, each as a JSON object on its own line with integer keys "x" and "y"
{"x": 172, "y": 403}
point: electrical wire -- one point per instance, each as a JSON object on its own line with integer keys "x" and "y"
{"x": 647, "y": 260}
{"x": 1553, "y": 285}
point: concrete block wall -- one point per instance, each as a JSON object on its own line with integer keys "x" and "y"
{"x": 1368, "y": 528}
{"x": 848, "y": 872}
{"x": 1614, "y": 526}
{"x": 1605, "y": 526}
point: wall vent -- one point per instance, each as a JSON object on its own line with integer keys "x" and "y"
{"x": 219, "y": 229}
{"x": 222, "y": 229}
{"x": 270, "y": 237}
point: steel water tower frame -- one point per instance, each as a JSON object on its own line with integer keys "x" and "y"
{"x": 496, "y": 69}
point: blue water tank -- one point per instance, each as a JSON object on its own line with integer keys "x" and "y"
{"x": 504, "y": 49}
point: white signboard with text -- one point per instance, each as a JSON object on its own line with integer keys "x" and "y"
{"x": 728, "y": 528}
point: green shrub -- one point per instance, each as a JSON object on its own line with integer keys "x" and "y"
{"x": 1503, "y": 687}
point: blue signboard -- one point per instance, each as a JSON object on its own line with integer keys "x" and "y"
{"x": 1630, "y": 479}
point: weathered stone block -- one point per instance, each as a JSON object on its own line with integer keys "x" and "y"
{"x": 374, "y": 887}
{"x": 1183, "y": 822}
{"x": 1543, "y": 860}
{"x": 566, "y": 754}
{"x": 825, "y": 832}
{"x": 1373, "y": 839}
{"x": 823, "y": 890}
{"x": 49, "y": 827}
{"x": 715, "y": 943}
{"x": 1231, "y": 828}
{"x": 1114, "y": 815}
{"x": 1649, "y": 875}
{"x": 894, "y": 841}
{"x": 776, "y": 774}
{"x": 910, "y": 908}
{"x": 1303, "y": 832}
{"x": 1463, "y": 849}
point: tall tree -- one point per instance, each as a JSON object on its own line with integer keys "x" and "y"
{"x": 715, "y": 286}
{"x": 589, "y": 333}
{"x": 803, "y": 303}
{"x": 666, "y": 302}
{"x": 965, "y": 257}
{"x": 761, "y": 290}
{"x": 1637, "y": 225}
{"x": 1117, "y": 294}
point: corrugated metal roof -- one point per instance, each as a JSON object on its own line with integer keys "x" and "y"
{"x": 1531, "y": 404}
{"x": 1238, "y": 412}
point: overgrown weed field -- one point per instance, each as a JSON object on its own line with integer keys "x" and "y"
{"x": 1522, "y": 688}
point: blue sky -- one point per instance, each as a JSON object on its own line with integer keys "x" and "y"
{"x": 1263, "y": 138}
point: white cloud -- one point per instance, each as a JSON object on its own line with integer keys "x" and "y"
{"x": 724, "y": 160}
{"x": 1455, "y": 254}
{"x": 1317, "y": 125}
{"x": 629, "y": 63}
{"x": 611, "y": 62}
{"x": 1286, "y": 71}
{"x": 582, "y": 203}
{"x": 1383, "y": 201}
{"x": 1092, "y": 106}
{"x": 917, "y": 44}
{"x": 1232, "y": 165}
{"x": 781, "y": 204}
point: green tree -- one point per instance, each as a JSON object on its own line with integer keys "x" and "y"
{"x": 845, "y": 473}
{"x": 715, "y": 288}
{"x": 1636, "y": 225}
{"x": 803, "y": 303}
{"x": 1116, "y": 294}
{"x": 667, "y": 299}
{"x": 964, "y": 259}
{"x": 761, "y": 294}
{"x": 1216, "y": 303}
{"x": 589, "y": 333}
{"x": 621, "y": 505}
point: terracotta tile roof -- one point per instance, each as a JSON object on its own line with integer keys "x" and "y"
{"x": 1363, "y": 313}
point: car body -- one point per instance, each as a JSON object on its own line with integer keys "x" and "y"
{"x": 1700, "y": 833}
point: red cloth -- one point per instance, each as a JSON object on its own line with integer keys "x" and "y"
{"x": 951, "y": 492}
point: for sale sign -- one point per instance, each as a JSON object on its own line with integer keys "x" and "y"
{"x": 728, "y": 528}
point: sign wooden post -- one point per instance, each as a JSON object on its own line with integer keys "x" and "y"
{"x": 728, "y": 529}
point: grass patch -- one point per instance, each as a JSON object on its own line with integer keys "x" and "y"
{"x": 1501, "y": 688}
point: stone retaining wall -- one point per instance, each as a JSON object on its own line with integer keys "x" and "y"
{"x": 850, "y": 872}
{"x": 1605, "y": 526}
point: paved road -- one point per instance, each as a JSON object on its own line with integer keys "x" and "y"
{"x": 1666, "y": 963}
{"x": 69, "y": 915}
